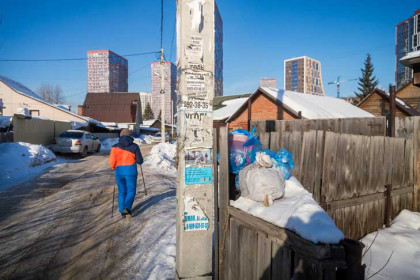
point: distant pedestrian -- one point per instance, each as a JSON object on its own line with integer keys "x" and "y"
{"x": 124, "y": 157}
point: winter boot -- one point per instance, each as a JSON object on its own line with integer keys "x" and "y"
{"x": 127, "y": 212}
{"x": 123, "y": 215}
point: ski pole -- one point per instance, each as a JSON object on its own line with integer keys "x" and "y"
{"x": 113, "y": 197}
{"x": 144, "y": 184}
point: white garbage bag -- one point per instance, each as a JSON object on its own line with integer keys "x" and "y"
{"x": 260, "y": 182}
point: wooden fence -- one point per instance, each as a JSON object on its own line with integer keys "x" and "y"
{"x": 250, "y": 248}
{"x": 347, "y": 174}
{"x": 357, "y": 126}
{"x": 6, "y": 137}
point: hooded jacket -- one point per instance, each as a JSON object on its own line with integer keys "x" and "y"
{"x": 124, "y": 156}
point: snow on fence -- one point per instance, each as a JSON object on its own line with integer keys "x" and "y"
{"x": 250, "y": 248}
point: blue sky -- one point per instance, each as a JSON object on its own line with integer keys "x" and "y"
{"x": 258, "y": 37}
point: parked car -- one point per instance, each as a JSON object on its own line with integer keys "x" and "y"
{"x": 158, "y": 137}
{"x": 76, "y": 142}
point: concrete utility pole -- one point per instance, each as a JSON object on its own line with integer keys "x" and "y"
{"x": 162, "y": 92}
{"x": 195, "y": 63}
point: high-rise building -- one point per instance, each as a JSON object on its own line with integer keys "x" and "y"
{"x": 268, "y": 82}
{"x": 145, "y": 97}
{"x": 407, "y": 39}
{"x": 107, "y": 72}
{"x": 303, "y": 74}
{"x": 218, "y": 53}
{"x": 169, "y": 87}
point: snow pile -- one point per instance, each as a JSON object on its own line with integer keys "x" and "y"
{"x": 78, "y": 125}
{"x": 296, "y": 211}
{"x": 20, "y": 160}
{"x": 146, "y": 139}
{"x": 107, "y": 144}
{"x": 402, "y": 240}
{"x": 161, "y": 159}
{"x": 23, "y": 111}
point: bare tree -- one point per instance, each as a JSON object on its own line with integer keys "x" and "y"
{"x": 51, "y": 94}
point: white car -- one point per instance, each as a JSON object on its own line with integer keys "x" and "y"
{"x": 76, "y": 142}
{"x": 158, "y": 137}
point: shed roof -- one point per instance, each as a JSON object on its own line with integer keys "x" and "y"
{"x": 403, "y": 106}
{"x": 311, "y": 106}
{"x": 316, "y": 106}
{"x": 20, "y": 88}
{"x": 110, "y": 107}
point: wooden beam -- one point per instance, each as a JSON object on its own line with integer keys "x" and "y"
{"x": 334, "y": 205}
{"x": 290, "y": 239}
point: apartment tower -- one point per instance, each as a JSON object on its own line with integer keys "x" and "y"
{"x": 169, "y": 86}
{"x": 303, "y": 74}
{"x": 407, "y": 39}
{"x": 107, "y": 72}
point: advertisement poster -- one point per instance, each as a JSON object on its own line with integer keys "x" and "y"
{"x": 198, "y": 158}
{"x": 194, "y": 49}
{"x": 196, "y": 84}
{"x": 194, "y": 217}
{"x": 198, "y": 175}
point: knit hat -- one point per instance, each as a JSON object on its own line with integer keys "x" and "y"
{"x": 125, "y": 132}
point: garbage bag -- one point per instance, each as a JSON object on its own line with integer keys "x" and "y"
{"x": 261, "y": 182}
{"x": 243, "y": 146}
{"x": 283, "y": 161}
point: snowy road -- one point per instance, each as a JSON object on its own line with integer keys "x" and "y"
{"x": 59, "y": 226}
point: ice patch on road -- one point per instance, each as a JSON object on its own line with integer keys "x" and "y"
{"x": 20, "y": 161}
{"x": 161, "y": 159}
{"x": 402, "y": 240}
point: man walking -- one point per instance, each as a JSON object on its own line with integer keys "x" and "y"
{"x": 124, "y": 157}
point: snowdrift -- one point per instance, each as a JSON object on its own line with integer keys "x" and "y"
{"x": 107, "y": 144}
{"x": 296, "y": 211}
{"x": 161, "y": 159}
{"x": 20, "y": 160}
{"x": 402, "y": 240}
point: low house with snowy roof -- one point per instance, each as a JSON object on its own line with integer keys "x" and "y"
{"x": 377, "y": 103}
{"x": 273, "y": 104}
{"x": 14, "y": 95}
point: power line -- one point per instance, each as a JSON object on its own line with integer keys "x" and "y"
{"x": 135, "y": 71}
{"x": 67, "y": 59}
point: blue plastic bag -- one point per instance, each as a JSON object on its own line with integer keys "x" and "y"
{"x": 243, "y": 147}
{"x": 283, "y": 161}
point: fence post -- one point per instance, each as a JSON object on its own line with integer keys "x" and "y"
{"x": 223, "y": 202}
{"x": 216, "y": 203}
{"x": 388, "y": 205}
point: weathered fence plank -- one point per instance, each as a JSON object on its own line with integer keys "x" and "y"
{"x": 264, "y": 257}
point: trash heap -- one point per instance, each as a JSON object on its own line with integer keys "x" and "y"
{"x": 260, "y": 173}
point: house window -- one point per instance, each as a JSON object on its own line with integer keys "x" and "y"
{"x": 1, "y": 107}
{"x": 34, "y": 113}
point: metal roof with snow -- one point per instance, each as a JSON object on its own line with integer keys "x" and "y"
{"x": 20, "y": 88}
{"x": 310, "y": 106}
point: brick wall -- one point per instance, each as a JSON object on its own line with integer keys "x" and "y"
{"x": 262, "y": 108}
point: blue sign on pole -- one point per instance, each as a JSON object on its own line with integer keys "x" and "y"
{"x": 198, "y": 175}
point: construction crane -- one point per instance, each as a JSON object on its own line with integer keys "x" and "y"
{"x": 338, "y": 82}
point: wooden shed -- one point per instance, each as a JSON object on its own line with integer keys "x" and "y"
{"x": 377, "y": 103}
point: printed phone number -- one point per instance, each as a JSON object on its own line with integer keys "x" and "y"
{"x": 196, "y": 105}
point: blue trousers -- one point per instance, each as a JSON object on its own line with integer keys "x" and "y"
{"x": 126, "y": 191}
